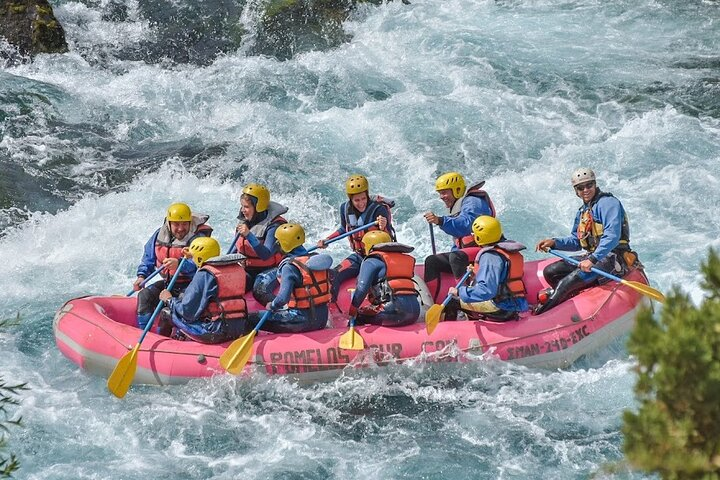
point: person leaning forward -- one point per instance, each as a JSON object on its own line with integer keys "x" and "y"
{"x": 465, "y": 205}
{"x": 304, "y": 286}
{"x": 386, "y": 277}
{"x": 601, "y": 229}
{"x": 212, "y": 309}
{"x": 497, "y": 292}
{"x": 164, "y": 248}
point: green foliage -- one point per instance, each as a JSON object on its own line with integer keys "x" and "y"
{"x": 8, "y": 398}
{"x": 676, "y": 431}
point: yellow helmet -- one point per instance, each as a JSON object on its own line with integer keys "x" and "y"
{"x": 372, "y": 238}
{"x": 289, "y": 236}
{"x": 178, "y": 212}
{"x": 486, "y": 230}
{"x": 356, "y": 184}
{"x": 203, "y": 249}
{"x": 261, "y": 193}
{"x": 453, "y": 181}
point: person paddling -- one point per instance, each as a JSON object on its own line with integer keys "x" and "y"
{"x": 601, "y": 229}
{"x": 464, "y": 206}
{"x": 259, "y": 218}
{"x": 212, "y": 309}
{"x": 359, "y": 209}
{"x": 165, "y": 248}
{"x": 304, "y": 286}
{"x": 386, "y": 276}
{"x": 497, "y": 291}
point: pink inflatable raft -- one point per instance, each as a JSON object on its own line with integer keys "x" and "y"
{"x": 95, "y": 332}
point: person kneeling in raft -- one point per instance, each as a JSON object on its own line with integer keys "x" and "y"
{"x": 497, "y": 293}
{"x": 386, "y": 275}
{"x": 212, "y": 309}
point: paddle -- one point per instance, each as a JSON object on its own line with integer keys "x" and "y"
{"x": 339, "y": 237}
{"x": 432, "y": 238}
{"x": 432, "y": 316}
{"x": 129, "y": 294}
{"x": 351, "y": 340}
{"x": 640, "y": 287}
{"x": 232, "y": 245}
{"x": 237, "y": 354}
{"x": 120, "y": 379}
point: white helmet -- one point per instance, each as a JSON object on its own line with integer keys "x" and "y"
{"x": 582, "y": 175}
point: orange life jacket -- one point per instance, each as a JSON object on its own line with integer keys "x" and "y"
{"x": 474, "y": 191}
{"x": 229, "y": 303}
{"x": 510, "y": 251}
{"x": 374, "y": 203}
{"x": 589, "y": 231}
{"x": 400, "y": 269}
{"x": 168, "y": 247}
{"x": 243, "y": 247}
{"x": 315, "y": 287}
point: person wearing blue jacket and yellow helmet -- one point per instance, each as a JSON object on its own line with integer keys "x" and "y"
{"x": 497, "y": 291}
{"x": 304, "y": 286}
{"x": 386, "y": 277}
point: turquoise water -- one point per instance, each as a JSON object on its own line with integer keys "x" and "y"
{"x": 94, "y": 145}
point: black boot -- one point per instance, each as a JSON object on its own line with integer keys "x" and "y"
{"x": 451, "y": 310}
{"x": 568, "y": 287}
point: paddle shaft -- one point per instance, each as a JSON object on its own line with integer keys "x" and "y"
{"x": 432, "y": 238}
{"x": 144, "y": 282}
{"x": 160, "y": 303}
{"x": 593, "y": 269}
{"x": 462, "y": 280}
{"x": 265, "y": 316}
{"x": 346, "y": 234}
{"x": 232, "y": 245}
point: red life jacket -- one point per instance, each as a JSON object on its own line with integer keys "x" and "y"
{"x": 474, "y": 191}
{"x": 315, "y": 287}
{"x": 514, "y": 285}
{"x": 168, "y": 247}
{"x": 400, "y": 270}
{"x": 229, "y": 303}
{"x": 374, "y": 203}
{"x": 253, "y": 261}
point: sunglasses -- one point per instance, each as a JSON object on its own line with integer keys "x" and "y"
{"x": 584, "y": 186}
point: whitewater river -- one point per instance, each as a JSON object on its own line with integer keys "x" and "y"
{"x": 95, "y": 143}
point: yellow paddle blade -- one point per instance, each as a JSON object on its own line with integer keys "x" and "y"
{"x": 432, "y": 317}
{"x": 237, "y": 354}
{"x": 645, "y": 290}
{"x": 351, "y": 340}
{"x": 121, "y": 378}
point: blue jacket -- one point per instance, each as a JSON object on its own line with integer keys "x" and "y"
{"x": 198, "y": 294}
{"x": 147, "y": 264}
{"x": 266, "y": 249}
{"x": 372, "y": 211}
{"x": 492, "y": 273}
{"x": 610, "y": 213}
{"x": 291, "y": 278}
{"x": 461, "y": 225}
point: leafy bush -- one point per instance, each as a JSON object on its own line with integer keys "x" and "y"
{"x": 8, "y": 398}
{"x": 676, "y": 431}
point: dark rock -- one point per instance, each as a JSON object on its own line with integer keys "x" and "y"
{"x": 31, "y": 27}
{"x": 289, "y": 27}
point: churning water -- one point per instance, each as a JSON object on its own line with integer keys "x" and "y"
{"x": 94, "y": 145}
